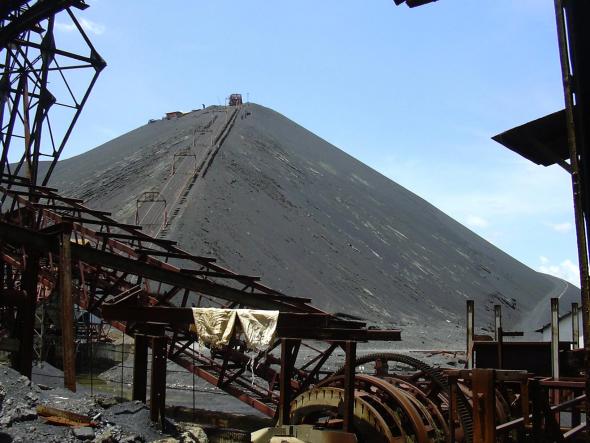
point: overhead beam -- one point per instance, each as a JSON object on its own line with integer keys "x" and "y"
{"x": 30, "y": 18}
{"x": 10, "y": 7}
{"x": 184, "y": 316}
{"x": 290, "y": 325}
{"x": 152, "y": 272}
{"x": 22, "y": 236}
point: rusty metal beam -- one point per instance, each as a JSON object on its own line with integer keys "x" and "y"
{"x": 555, "y": 338}
{"x": 290, "y": 325}
{"x": 139, "y": 238}
{"x": 91, "y": 221}
{"x": 70, "y": 209}
{"x": 25, "y": 319}
{"x": 29, "y": 19}
{"x": 284, "y": 408}
{"x": 9, "y": 7}
{"x": 484, "y": 406}
{"x": 66, "y": 300}
{"x": 575, "y": 326}
{"x": 20, "y": 235}
{"x": 573, "y": 52}
{"x": 152, "y": 272}
{"x": 158, "y": 380}
{"x": 470, "y": 326}
{"x": 499, "y": 333}
{"x": 349, "y": 369}
{"x": 174, "y": 255}
{"x": 140, "y": 357}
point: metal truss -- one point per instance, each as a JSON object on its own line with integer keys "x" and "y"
{"x": 43, "y": 88}
{"x": 115, "y": 264}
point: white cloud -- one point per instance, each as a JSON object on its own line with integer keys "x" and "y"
{"x": 65, "y": 27}
{"x": 505, "y": 189}
{"x": 514, "y": 198}
{"x": 566, "y": 270}
{"x": 561, "y": 227}
{"x": 88, "y": 25}
{"x": 477, "y": 222}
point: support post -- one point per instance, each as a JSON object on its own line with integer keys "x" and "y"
{"x": 499, "y": 334}
{"x": 484, "y": 406}
{"x": 25, "y": 320}
{"x": 349, "y": 367}
{"x": 470, "y": 328}
{"x": 575, "y": 326}
{"x": 284, "y": 410}
{"x": 497, "y": 322}
{"x": 67, "y": 311}
{"x": 555, "y": 338}
{"x": 452, "y": 408}
{"x": 140, "y": 359}
{"x": 158, "y": 381}
{"x": 536, "y": 411}
{"x": 524, "y": 402}
{"x": 573, "y": 47}
{"x": 555, "y": 394}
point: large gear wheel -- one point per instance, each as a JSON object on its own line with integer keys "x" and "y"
{"x": 429, "y": 380}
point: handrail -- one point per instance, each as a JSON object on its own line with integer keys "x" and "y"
{"x": 508, "y": 426}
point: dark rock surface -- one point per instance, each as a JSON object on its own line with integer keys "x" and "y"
{"x": 279, "y": 202}
{"x": 19, "y": 420}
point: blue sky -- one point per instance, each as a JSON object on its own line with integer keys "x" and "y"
{"x": 416, "y": 94}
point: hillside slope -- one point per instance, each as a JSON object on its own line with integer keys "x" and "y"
{"x": 277, "y": 201}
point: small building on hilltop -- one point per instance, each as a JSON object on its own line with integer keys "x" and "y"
{"x": 235, "y": 100}
{"x": 173, "y": 114}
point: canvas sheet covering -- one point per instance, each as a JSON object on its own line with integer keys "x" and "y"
{"x": 215, "y": 326}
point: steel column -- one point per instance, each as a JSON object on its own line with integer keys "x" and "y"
{"x": 484, "y": 406}
{"x": 25, "y": 320}
{"x": 555, "y": 393}
{"x": 555, "y": 338}
{"x": 158, "y": 381}
{"x": 575, "y": 326}
{"x": 497, "y": 322}
{"x": 140, "y": 359}
{"x": 470, "y": 330}
{"x": 67, "y": 311}
{"x": 452, "y": 409}
{"x": 349, "y": 366}
{"x": 577, "y": 132}
{"x": 499, "y": 334}
{"x": 284, "y": 409}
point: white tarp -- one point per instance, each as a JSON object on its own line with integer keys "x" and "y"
{"x": 216, "y": 326}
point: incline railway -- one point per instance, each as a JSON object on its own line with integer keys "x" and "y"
{"x": 54, "y": 247}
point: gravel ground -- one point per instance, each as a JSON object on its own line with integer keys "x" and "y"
{"x": 129, "y": 421}
{"x": 19, "y": 422}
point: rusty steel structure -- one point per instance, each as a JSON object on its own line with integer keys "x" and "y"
{"x": 563, "y": 138}
{"x": 528, "y": 390}
{"x": 54, "y": 247}
{"x": 35, "y": 86}
{"x": 36, "y": 83}
{"x": 124, "y": 276}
